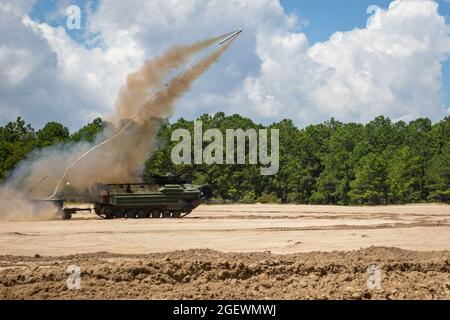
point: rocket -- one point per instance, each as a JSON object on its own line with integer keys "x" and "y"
{"x": 231, "y": 36}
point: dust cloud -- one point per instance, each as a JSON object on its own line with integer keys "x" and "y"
{"x": 127, "y": 141}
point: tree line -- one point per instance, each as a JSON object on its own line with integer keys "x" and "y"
{"x": 381, "y": 162}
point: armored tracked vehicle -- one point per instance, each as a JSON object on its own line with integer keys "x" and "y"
{"x": 167, "y": 198}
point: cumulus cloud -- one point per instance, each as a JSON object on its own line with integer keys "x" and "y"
{"x": 47, "y": 76}
{"x": 391, "y": 67}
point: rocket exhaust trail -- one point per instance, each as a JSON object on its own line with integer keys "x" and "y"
{"x": 161, "y": 101}
{"x": 152, "y": 75}
{"x": 231, "y": 36}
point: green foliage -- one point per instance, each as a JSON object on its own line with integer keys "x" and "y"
{"x": 17, "y": 139}
{"x": 333, "y": 184}
{"x": 438, "y": 175}
{"x": 268, "y": 198}
{"x": 52, "y": 133}
{"x": 330, "y": 163}
{"x": 89, "y": 131}
{"x": 370, "y": 183}
{"x": 249, "y": 197}
{"x": 294, "y": 198}
{"x": 404, "y": 175}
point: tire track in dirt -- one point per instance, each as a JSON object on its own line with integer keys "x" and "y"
{"x": 274, "y": 229}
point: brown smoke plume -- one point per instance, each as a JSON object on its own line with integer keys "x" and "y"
{"x": 121, "y": 159}
{"x": 151, "y": 75}
{"x": 14, "y": 208}
{"x": 161, "y": 105}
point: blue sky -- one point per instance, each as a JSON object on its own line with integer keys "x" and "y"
{"x": 43, "y": 11}
{"x": 276, "y": 69}
{"x": 328, "y": 16}
{"x": 321, "y": 18}
{"x": 324, "y": 17}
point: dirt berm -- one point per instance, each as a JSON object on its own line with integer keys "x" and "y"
{"x": 207, "y": 274}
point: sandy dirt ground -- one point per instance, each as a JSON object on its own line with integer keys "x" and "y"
{"x": 234, "y": 252}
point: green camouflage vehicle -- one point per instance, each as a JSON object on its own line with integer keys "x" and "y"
{"x": 166, "y": 197}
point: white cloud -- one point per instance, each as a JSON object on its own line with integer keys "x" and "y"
{"x": 394, "y": 70}
{"x": 271, "y": 72}
{"x": 46, "y": 76}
